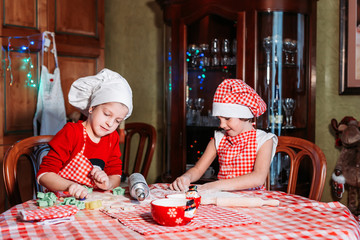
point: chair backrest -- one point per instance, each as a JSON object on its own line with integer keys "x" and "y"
{"x": 140, "y": 140}
{"x": 33, "y": 149}
{"x": 297, "y": 150}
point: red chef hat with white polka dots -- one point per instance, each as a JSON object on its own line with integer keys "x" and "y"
{"x": 234, "y": 98}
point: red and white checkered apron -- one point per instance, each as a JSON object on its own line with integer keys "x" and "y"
{"x": 237, "y": 155}
{"x": 79, "y": 168}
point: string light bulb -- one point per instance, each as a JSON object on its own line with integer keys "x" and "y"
{"x": 30, "y": 82}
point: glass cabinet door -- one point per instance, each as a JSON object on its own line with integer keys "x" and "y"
{"x": 282, "y": 82}
{"x": 210, "y": 58}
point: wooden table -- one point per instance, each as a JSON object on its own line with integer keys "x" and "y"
{"x": 296, "y": 218}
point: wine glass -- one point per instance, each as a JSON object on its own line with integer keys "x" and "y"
{"x": 215, "y": 51}
{"x": 293, "y": 49}
{"x": 225, "y": 60}
{"x": 289, "y": 106}
{"x": 189, "y": 115}
{"x": 287, "y": 50}
{"x": 267, "y": 42}
{"x": 199, "y": 105}
{"x": 192, "y": 52}
{"x": 204, "y": 55}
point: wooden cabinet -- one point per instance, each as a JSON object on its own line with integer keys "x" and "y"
{"x": 269, "y": 44}
{"x": 79, "y": 32}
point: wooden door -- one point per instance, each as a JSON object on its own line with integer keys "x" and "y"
{"x": 79, "y": 32}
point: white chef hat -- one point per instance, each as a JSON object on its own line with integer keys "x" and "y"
{"x": 106, "y": 86}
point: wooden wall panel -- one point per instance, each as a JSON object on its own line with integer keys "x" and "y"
{"x": 20, "y": 13}
{"x": 76, "y": 16}
{"x": 20, "y": 98}
{"x": 79, "y": 28}
{"x": 72, "y": 68}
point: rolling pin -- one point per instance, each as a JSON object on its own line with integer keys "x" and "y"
{"x": 240, "y": 202}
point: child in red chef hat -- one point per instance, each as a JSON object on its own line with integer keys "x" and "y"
{"x": 87, "y": 153}
{"x": 244, "y": 153}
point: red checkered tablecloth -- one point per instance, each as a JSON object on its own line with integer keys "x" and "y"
{"x": 296, "y": 218}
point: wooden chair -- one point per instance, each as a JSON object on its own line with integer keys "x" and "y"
{"x": 33, "y": 148}
{"x": 298, "y": 150}
{"x": 139, "y": 147}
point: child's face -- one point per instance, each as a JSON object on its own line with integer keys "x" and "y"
{"x": 105, "y": 118}
{"x": 234, "y": 126}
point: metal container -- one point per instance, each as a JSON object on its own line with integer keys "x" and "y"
{"x": 138, "y": 187}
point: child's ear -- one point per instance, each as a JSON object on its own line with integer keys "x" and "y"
{"x": 91, "y": 109}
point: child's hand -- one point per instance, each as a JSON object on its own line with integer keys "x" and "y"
{"x": 207, "y": 188}
{"x": 182, "y": 183}
{"x": 78, "y": 191}
{"x": 100, "y": 178}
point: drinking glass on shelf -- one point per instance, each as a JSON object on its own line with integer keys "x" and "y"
{"x": 225, "y": 60}
{"x": 289, "y": 106}
{"x": 215, "y": 61}
{"x": 267, "y": 43}
{"x": 287, "y": 50}
{"x": 290, "y": 48}
{"x": 193, "y": 52}
{"x": 199, "y": 105}
{"x": 293, "y": 48}
{"x": 189, "y": 113}
{"x": 204, "y": 55}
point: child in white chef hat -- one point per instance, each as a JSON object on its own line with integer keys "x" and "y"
{"x": 87, "y": 153}
{"x": 244, "y": 153}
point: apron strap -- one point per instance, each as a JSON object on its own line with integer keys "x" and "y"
{"x": 83, "y": 148}
{"x": 46, "y": 44}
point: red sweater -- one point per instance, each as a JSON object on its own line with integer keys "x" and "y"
{"x": 70, "y": 140}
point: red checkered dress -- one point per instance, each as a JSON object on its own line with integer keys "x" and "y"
{"x": 79, "y": 168}
{"x": 237, "y": 155}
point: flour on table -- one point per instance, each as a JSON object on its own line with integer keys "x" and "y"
{"x": 108, "y": 200}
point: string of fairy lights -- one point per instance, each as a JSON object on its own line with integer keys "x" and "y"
{"x": 27, "y": 43}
